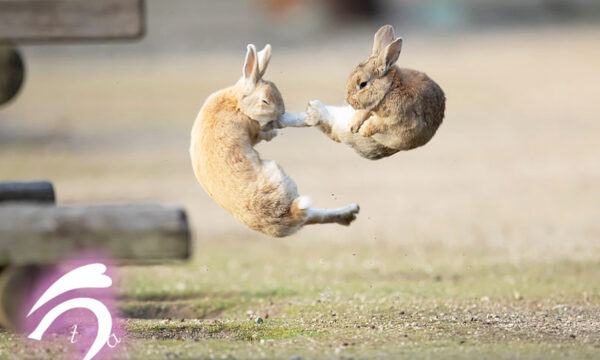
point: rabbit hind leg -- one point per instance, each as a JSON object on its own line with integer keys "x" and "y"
{"x": 333, "y": 121}
{"x": 342, "y": 216}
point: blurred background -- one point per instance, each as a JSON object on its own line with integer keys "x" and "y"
{"x": 497, "y": 214}
{"x": 513, "y": 169}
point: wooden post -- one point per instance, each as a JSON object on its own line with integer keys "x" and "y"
{"x": 29, "y": 192}
{"x": 137, "y": 233}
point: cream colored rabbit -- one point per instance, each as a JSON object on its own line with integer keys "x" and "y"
{"x": 391, "y": 109}
{"x": 255, "y": 191}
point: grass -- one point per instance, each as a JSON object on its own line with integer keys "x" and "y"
{"x": 341, "y": 303}
{"x": 355, "y": 306}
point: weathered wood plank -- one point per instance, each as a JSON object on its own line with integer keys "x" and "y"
{"x": 43, "y": 20}
{"x": 31, "y": 234}
{"x": 27, "y": 191}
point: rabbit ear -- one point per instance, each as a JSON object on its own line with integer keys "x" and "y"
{"x": 388, "y": 57}
{"x": 250, "y": 69}
{"x": 383, "y": 37}
{"x": 264, "y": 56}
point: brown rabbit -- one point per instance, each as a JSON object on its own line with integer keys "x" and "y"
{"x": 391, "y": 109}
{"x": 257, "y": 192}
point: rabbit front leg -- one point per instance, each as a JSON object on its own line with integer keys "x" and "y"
{"x": 372, "y": 126}
{"x": 358, "y": 119}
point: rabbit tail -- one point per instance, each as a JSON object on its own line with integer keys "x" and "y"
{"x": 299, "y": 209}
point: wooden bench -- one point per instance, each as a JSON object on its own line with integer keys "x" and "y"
{"x": 35, "y": 234}
{"x": 35, "y": 231}
{"x": 52, "y": 21}
{"x": 67, "y": 20}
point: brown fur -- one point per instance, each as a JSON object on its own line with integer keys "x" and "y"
{"x": 222, "y": 143}
{"x": 409, "y": 113}
{"x": 327, "y": 130}
{"x": 397, "y": 109}
{"x": 256, "y": 192}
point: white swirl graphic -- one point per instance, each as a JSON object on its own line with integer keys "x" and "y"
{"x": 87, "y": 276}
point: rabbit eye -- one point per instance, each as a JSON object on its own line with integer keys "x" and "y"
{"x": 265, "y": 102}
{"x": 362, "y": 84}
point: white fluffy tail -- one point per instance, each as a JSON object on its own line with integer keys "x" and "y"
{"x": 303, "y": 202}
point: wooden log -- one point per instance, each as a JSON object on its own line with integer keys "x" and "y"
{"x": 44, "y": 20}
{"x": 27, "y": 191}
{"x": 145, "y": 233}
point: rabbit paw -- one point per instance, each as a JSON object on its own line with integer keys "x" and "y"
{"x": 268, "y": 135}
{"x": 349, "y": 215}
{"x": 356, "y": 124}
{"x": 367, "y": 129}
{"x": 315, "y": 112}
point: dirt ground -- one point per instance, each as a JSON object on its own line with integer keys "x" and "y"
{"x": 482, "y": 244}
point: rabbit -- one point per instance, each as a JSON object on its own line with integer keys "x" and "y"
{"x": 256, "y": 192}
{"x": 390, "y": 109}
